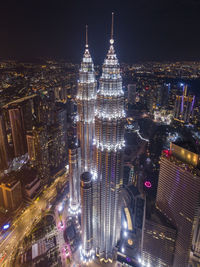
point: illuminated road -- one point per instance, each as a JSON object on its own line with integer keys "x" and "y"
{"x": 24, "y": 224}
{"x": 60, "y": 235}
{"x": 63, "y": 206}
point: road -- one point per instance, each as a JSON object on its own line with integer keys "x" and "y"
{"x": 22, "y": 225}
{"x": 62, "y": 215}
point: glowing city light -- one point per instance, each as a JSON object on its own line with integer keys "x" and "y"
{"x": 114, "y": 115}
{"x": 109, "y": 147}
{"x": 167, "y": 152}
{"x": 74, "y": 209}
{"x": 6, "y": 226}
{"x": 86, "y": 256}
{"x": 125, "y": 224}
{"x": 128, "y": 259}
{"x": 148, "y": 184}
{"x": 60, "y": 208}
{"x": 67, "y": 167}
{"x": 138, "y": 133}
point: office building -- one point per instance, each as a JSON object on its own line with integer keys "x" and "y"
{"x": 4, "y": 148}
{"x": 74, "y": 178}
{"x": 159, "y": 241}
{"x": 47, "y": 144}
{"x": 162, "y": 95}
{"x": 109, "y": 143}
{"x": 18, "y": 134}
{"x": 195, "y": 251}
{"x": 30, "y": 139}
{"x": 86, "y": 97}
{"x": 184, "y": 107}
{"x": 87, "y": 251}
{"x": 61, "y": 118}
{"x": 37, "y": 141}
{"x": 10, "y": 194}
{"x": 178, "y": 196}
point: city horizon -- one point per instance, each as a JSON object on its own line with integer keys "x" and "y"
{"x": 99, "y": 158}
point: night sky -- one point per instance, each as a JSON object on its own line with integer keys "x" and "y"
{"x": 144, "y": 29}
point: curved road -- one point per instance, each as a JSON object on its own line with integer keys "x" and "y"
{"x": 23, "y": 225}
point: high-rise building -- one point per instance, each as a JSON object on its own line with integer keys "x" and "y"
{"x": 87, "y": 251}
{"x": 47, "y": 145}
{"x": 131, "y": 93}
{"x": 30, "y": 139}
{"x": 159, "y": 241}
{"x": 4, "y": 149}
{"x": 10, "y": 194}
{"x": 86, "y": 97}
{"x": 151, "y": 98}
{"x": 37, "y": 141}
{"x": 162, "y": 95}
{"x": 195, "y": 253}
{"x": 17, "y": 128}
{"x": 108, "y": 143}
{"x": 184, "y": 107}
{"x": 27, "y": 109}
{"x": 62, "y": 140}
{"x": 178, "y": 196}
{"x": 74, "y": 177}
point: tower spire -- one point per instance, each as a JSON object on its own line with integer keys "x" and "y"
{"x": 112, "y": 26}
{"x": 86, "y": 36}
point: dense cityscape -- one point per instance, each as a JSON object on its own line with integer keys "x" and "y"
{"x": 99, "y": 164}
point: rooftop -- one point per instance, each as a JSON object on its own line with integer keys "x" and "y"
{"x": 184, "y": 166}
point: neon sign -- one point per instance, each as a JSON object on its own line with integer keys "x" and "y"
{"x": 148, "y": 184}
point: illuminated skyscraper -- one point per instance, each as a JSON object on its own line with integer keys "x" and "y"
{"x": 10, "y": 193}
{"x": 18, "y": 135}
{"x": 74, "y": 172}
{"x": 184, "y": 107}
{"x": 87, "y": 252}
{"x": 178, "y": 197}
{"x": 109, "y": 143}
{"x": 4, "y": 151}
{"x": 159, "y": 241}
{"x": 86, "y": 97}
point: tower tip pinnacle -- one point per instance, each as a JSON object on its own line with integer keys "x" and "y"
{"x": 86, "y": 36}
{"x": 112, "y": 26}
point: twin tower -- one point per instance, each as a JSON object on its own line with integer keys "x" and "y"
{"x": 100, "y": 128}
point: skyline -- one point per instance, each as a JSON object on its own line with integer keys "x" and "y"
{"x": 100, "y": 160}
{"x": 144, "y": 30}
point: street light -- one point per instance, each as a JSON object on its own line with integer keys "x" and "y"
{"x": 60, "y": 208}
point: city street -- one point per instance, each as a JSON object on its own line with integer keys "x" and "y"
{"x": 25, "y": 222}
{"x": 60, "y": 236}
